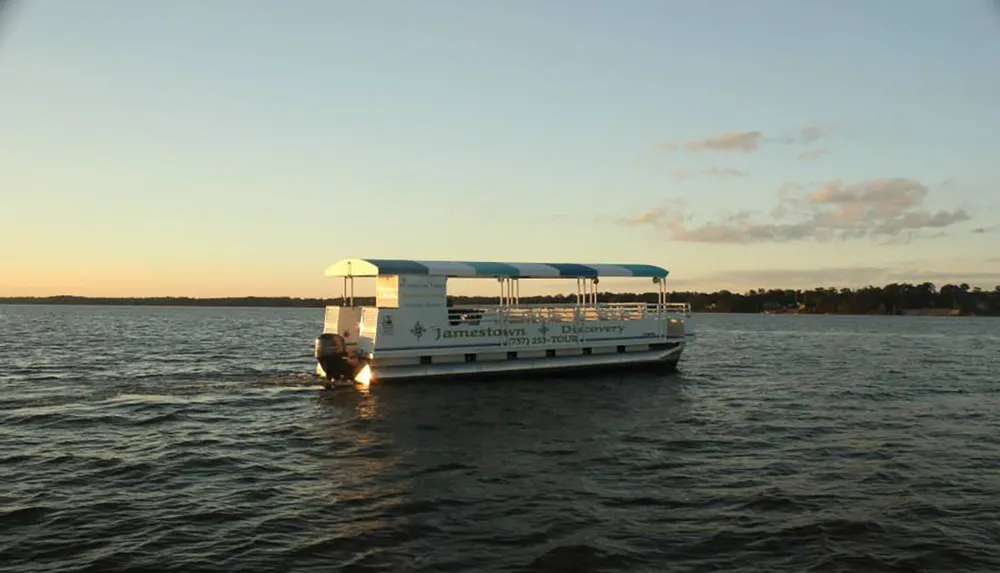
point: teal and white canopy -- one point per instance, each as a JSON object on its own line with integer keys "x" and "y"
{"x": 486, "y": 269}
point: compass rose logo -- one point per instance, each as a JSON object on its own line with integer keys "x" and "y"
{"x": 418, "y": 330}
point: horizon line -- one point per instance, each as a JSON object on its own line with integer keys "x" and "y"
{"x": 526, "y": 296}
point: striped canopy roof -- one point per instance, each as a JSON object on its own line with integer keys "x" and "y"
{"x": 374, "y": 267}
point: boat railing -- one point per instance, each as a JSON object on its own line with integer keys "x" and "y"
{"x": 530, "y": 313}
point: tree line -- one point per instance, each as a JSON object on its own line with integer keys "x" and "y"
{"x": 895, "y": 298}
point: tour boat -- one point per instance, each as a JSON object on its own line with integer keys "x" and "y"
{"x": 413, "y": 333}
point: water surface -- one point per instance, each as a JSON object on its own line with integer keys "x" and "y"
{"x": 196, "y": 439}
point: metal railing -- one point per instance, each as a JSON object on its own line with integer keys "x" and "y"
{"x": 538, "y": 313}
{"x": 535, "y": 313}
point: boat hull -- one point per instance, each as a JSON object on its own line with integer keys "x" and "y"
{"x": 661, "y": 360}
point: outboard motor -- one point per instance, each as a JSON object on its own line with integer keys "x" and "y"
{"x": 330, "y": 350}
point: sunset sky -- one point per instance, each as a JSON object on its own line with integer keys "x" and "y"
{"x": 238, "y": 147}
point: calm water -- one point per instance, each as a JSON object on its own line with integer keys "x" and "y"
{"x": 182, "y": 439}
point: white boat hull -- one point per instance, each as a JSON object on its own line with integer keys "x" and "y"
{"x": 456, "y": 367}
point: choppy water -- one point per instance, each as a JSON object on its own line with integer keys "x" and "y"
{"x": 175, "y": 439}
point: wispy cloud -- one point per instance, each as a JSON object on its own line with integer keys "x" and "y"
{"x": 835, "y": 277}
{"x": 733, "y": 141}
{"x": 977, "y": 278}
{"x": 811, "y": 133}
{"x": 744, "y": 141}
{"x": 811, "y": 154}
{"x": 740, "y": 279}
{"x": 723, "y": 172}
{"x": 876, "y": 209}
{"x": 710, "y": 172}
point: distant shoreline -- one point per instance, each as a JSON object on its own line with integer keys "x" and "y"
{"x": 893, "y": 299}
{"x": 245, "y": 302}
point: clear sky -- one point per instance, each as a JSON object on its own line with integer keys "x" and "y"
{"x": 238, "y": 147}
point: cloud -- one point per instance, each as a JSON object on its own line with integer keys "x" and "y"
{"x": 944, "y": 277}
{"x": 795, "y": 278}
{"x": 712, "y": 172}
{"x": 734, "y": 141}
{"x": 836, "y": 277}
{"x": 747, "y": 141}
{"x": 744, "y": 141}
{"x": 811, "y": 154}
{"x": 654, "y": 215}
{"x": 792, "y": 187}
{"x": 723, "y": 172}
{"x": 887, "y": 208}
{"x": 811, "y": 133}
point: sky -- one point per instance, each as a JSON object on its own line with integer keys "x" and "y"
{"x": 239, "y": 147}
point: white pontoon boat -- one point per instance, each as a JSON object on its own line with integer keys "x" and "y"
{"x": 412, "y": 332}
